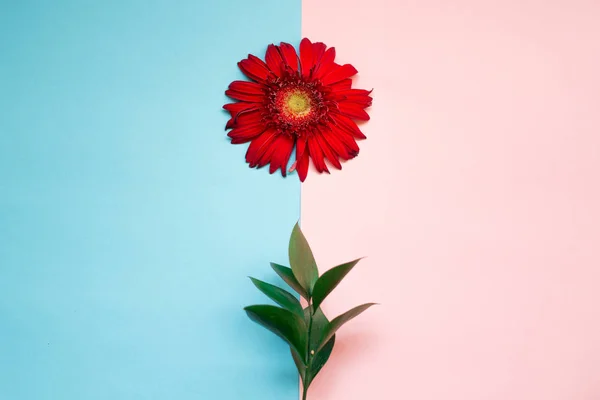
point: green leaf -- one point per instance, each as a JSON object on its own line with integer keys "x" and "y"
{"x": 283, "y": 298}
{"x": 285, "y": 324}
{"x": 339, "y": 321}
{"x": 288, "y": 277}
{"x": 319, "y": 325}
{"x": 302, "y": 260}
{"x": 318, "y": 360}
{"x": 329, "y": 280}
{"x": 299, "y": 365}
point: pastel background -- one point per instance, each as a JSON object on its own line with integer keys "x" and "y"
{"x": 475, "y": 198}
{"x": 128, "y": 223}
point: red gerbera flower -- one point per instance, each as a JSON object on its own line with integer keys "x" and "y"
{"x": 305, "y": 101}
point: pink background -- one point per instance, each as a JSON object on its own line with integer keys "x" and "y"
{"x": 476, "y": 198}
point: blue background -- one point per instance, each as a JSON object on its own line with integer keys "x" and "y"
{"x": 128, "y": 223}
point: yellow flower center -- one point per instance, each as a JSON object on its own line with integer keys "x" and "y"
{"x": 297, "y": 103}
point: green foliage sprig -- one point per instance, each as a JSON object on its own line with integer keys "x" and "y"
{"x": 308, "y": 332}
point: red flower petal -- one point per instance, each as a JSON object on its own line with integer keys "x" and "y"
{"x": 341, "y": 85}
{"x": 326, "y": 65}
{"x": 247, "y": 87}
{"x": 284, "y": 146}
{"x": 353, "y": 110}
{"x": 254, "y": 68}
{"x": 306, "y": 57}
{"x": 260, "y": 63}
{"x": 316, "y": 154}
{"x": 246, "y": 133}
{"x": 327, "y": 151}
{"x": 336, "y": 144}
{"x": 318, "y": 51}
{"x": 342, "y": 72}
{"x": 266, "y": 156}
{"x": 302, "y": 157}
{"x": 274, "y": 59}
{"x": 289, "y": 55}
{"x": 348, "y": 125}
{"x": 248, "y": 117}
{"x": 300, "y": 147}
{"x": 253, "y": 98}
{"x": 347, "y": 140}
{"x": 358, "y": 96}
{"x": 258, "y": 146}
{"x": 235, "y": 108}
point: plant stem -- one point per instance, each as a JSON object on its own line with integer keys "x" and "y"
{"x": 308, "y": 355}
{"x": 310, "y": 322}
